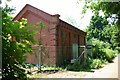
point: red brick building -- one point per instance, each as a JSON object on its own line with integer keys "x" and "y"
{"x": 61, "y": 40}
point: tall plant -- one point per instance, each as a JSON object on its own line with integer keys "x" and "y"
{"x": 17, "y": 38}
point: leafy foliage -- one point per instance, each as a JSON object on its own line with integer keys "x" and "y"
{"x": 112, "y": 13}
{"x": 98, "y": 46}
{"x": 104, "y": 30}
{"x": 17, "y": 38}
{"x": 96, "y": 63}
{"x": 100, "y": 28}
{"x": 109, "y": 54}
{"x": 101, "y": 50}
{"x": 74, "y": 67}
{"x": 108, "y": 8}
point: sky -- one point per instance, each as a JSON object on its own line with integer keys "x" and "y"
{"x": 69, "y": 10}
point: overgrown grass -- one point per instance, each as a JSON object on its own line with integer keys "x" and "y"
{"x": 54, "y": 68}
{"x": 77, "y": 66}
{"x": 91, "y": 64}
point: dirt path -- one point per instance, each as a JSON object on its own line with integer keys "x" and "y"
{"x": 109, "y": 71}
{"x": 68, "y": 74}
{"x": 61, "y": 74}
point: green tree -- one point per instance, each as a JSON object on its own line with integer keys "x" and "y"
{"x": 100, "y": 29}
{"x": 17, "y": 38}
{"x": 111, "y": 9}
{"x": 103, "y": 31}
{"x": 96, "y": 27}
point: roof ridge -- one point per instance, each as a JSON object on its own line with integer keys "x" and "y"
{"x": 36, "y": 9}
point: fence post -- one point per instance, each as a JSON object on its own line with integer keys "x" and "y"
{"x": 39, "y": 58}
{"x": 85, "y": 56}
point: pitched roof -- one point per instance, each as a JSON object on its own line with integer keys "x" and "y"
{"x": 29, "y": 8}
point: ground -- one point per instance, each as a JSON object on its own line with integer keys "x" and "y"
{"x": 108, "y": 71}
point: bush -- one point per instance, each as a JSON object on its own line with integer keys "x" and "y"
{"x": 101, "y": 54}
{"x": 101, "y": 50}
{"x": 74, "y": 67}
{"x": 96, "y": 63}
{"x": 98, "y": 47}
{"x": 109, "y": 54}
{"x": 17, "y": 38}
{"x": 117, "y": 49}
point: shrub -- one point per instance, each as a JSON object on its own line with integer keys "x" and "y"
{"x": 101, "y": 54}
{"x": 96, "y": 63}
{"x": 98, "y": 47}
{"x": 17, "y": 38}
{"x": 101, "y": 50}
{"x": 109, "y": 54}
{"x": 117, "y": 49}
{"x": 74, "y": 67}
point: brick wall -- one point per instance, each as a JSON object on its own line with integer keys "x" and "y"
{"x": 67, "y": 35}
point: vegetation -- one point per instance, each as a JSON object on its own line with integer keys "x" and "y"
{"x": 103, "y": 32}
{"x": 111, "y": 13}
{"x": 53, "y": 68}
{"x": 17, "y": 38}
{"x": 102, "y": 50}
